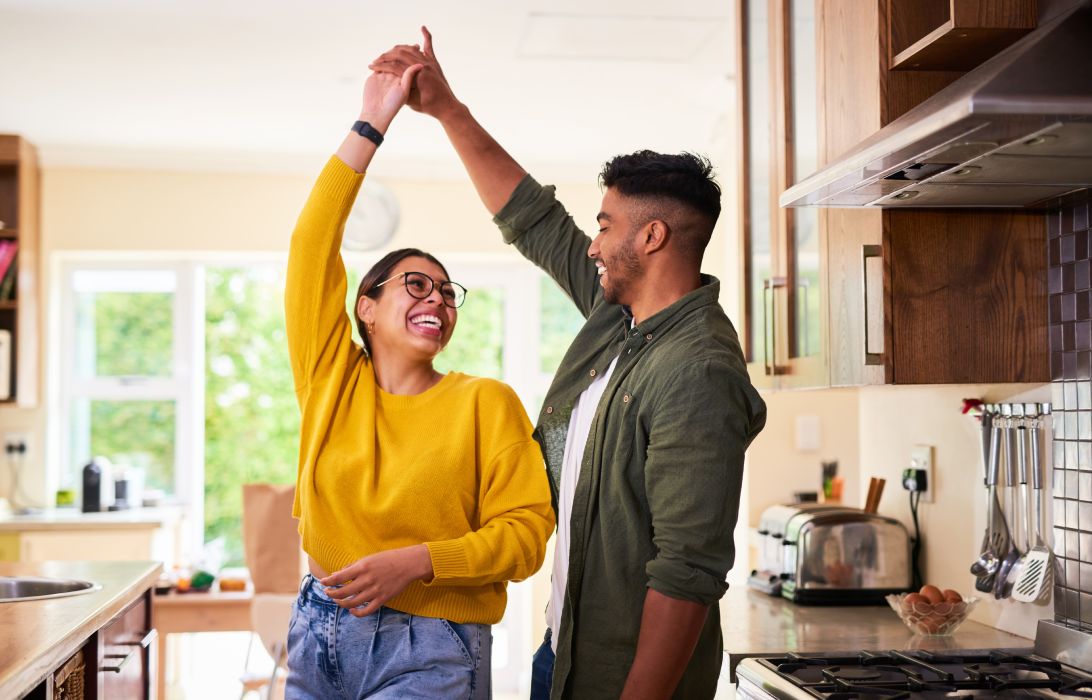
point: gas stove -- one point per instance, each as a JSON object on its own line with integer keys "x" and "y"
{"x": 910, "y": 675}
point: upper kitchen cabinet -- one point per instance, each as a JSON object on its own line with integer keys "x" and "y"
{"x": 917, "y": 296}
{"x": 954, "y": 34}
{"x": 18, "y": 270}
{"x": 783, "y": 278}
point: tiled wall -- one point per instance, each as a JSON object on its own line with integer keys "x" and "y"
{"x": 1071, "y": 372}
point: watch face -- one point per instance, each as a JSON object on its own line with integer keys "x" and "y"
{"x": 373, "y": 219}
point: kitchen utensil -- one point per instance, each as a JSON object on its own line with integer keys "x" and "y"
{"x": 1020, "y": 514}
{"x": 996, "y": 540}
{"x": 1039, "y": 565}
{"x": 875, "y": 492}
{"x": 1011, "y": 557}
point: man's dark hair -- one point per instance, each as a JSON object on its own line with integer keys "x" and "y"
{"x": 379, "y": 272}
{"x": 664, "y": 181}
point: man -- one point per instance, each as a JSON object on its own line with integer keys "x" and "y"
{"x": 646, "y": 423}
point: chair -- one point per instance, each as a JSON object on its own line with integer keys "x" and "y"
{"x": 269, "y": 615}
{"x": 274, "y": 556}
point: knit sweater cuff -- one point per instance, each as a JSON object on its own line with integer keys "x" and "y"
{"x": 338, "y": 180}
{"x": 448, "y": 560}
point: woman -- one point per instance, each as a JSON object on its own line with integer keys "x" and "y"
{"x": 419, "y": 494}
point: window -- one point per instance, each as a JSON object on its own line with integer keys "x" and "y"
{"x": 127, "y": 390}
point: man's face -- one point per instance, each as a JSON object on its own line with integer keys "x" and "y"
{"x": 615, "y": 249}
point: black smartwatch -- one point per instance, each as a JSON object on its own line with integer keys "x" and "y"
{"x": 368, "y": 131}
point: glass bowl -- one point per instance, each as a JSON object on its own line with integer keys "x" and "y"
{"x": 934, "y": 619}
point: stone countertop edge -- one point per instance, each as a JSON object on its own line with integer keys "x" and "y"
{"x": 69, "y": 519}
{"x": 757, "y": 624}
{"x": 40, "y": 635}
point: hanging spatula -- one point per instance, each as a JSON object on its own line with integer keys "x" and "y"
{"x": 1038, "y": 569}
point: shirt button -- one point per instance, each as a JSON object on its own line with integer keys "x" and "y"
{"x": 592, "y": 373}
{"x": 648, "y": 337}
{"x": 625, "y": 398}
{"x": 549, "y": 409}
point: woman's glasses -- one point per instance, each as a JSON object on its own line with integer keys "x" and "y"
{"x": 419, "y": 285}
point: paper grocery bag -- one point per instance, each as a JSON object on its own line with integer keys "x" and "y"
{"x": 271, "y": 542}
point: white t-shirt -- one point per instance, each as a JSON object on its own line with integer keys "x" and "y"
{"x": 580, "y": 424}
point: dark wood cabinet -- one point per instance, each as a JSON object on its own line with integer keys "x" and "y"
{"x": 954, "y": 34}
{"x": 783, "y": 328}
{"x": 118, "y": 661}
{"x": 126, "y": 653}
{"x": 918, "y": 296}
{"x": 18, "y": 271}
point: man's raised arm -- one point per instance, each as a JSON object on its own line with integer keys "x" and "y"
{"x": 494, "y": 173}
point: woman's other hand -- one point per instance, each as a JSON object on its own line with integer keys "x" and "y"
{"x": 366, "y": 584}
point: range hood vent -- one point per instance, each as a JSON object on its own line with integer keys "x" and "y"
{"x": 1014, "y": 132}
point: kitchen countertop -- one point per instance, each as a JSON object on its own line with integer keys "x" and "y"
{"x": 73, "y": 519}
{"x": 40, "y": 635}
{"x": 756, "y": 624}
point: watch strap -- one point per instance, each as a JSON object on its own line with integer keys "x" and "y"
{"x": 368, "y": 131}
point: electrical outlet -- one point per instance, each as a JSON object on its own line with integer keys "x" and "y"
{"x": 921, "y": 457}
{"x": 16, "y": 445}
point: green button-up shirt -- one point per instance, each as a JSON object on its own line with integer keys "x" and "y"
{"x": 658, "y": 492}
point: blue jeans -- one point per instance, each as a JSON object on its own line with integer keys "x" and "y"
{"x": 388, "y": 654}
{"x": 542, "y": 670}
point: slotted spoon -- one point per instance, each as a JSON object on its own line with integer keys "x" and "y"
{"x": 1035, "y": 579}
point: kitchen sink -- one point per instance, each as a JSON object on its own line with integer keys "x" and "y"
{"x": 18, "y": 588}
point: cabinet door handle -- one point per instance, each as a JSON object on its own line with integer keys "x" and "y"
{"x": 869, "y": 252}
{"x": 143, "y": 643}
{"x": 769, "y": 331}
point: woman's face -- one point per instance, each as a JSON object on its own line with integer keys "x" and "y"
{"x": 400, "y": 323}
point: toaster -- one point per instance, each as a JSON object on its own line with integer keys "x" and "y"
{"x": 845, "y": 556}
{"x": 772, "y": 526}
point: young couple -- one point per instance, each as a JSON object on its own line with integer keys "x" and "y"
{"x": 421, "y": 494}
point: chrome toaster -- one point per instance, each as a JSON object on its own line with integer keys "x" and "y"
{"x": 845, "y": 556}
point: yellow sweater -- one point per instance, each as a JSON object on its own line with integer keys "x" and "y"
{"x": 454, "y": 467}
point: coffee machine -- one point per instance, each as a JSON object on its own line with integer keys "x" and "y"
{"x": 98, "y": 485}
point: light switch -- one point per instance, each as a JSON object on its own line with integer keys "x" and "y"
{"x": 807, "y": 433}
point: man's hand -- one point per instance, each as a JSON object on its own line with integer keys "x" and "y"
{"x": 430, "y": 92}
{"x": 363, "y": 586}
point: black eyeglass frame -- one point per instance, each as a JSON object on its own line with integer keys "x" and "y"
{"x": 458, "y": 291}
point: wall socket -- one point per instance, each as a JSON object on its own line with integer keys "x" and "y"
{"x": 921, "y": 457}
{"x": 16, "y": 446}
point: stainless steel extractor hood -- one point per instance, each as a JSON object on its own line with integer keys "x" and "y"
{"x": 1014, "y": 132}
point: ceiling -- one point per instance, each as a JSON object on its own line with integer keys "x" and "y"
{"x": 272, "y": 86}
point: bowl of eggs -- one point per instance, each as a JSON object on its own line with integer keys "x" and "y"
{"x": 932, "y": 610}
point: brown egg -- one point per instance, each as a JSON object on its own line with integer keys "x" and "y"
{"x": 913, "y": 600}
{"x": 952, "y": 596}
{"x": 932, "y": 593}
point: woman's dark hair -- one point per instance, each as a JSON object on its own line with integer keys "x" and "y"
{"x": 379, "y": 272}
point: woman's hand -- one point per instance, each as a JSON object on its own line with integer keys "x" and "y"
{"x": 365, "y": 585}
{"x": 385, "y": 94}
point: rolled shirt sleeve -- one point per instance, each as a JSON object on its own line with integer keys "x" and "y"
{"x": 702, "y": 425}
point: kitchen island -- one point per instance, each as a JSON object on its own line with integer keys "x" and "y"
{"x": 41, "y": 636}
{"x": 756, "y": 624}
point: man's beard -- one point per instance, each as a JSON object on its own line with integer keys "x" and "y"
{"x": 624, "y": 269}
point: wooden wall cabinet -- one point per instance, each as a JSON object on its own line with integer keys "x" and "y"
{"x": 918, "y": 296}
{"x": 783, "y": 277}
{"x": 954, "y": 34}
{"x": 18, "y": 305}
